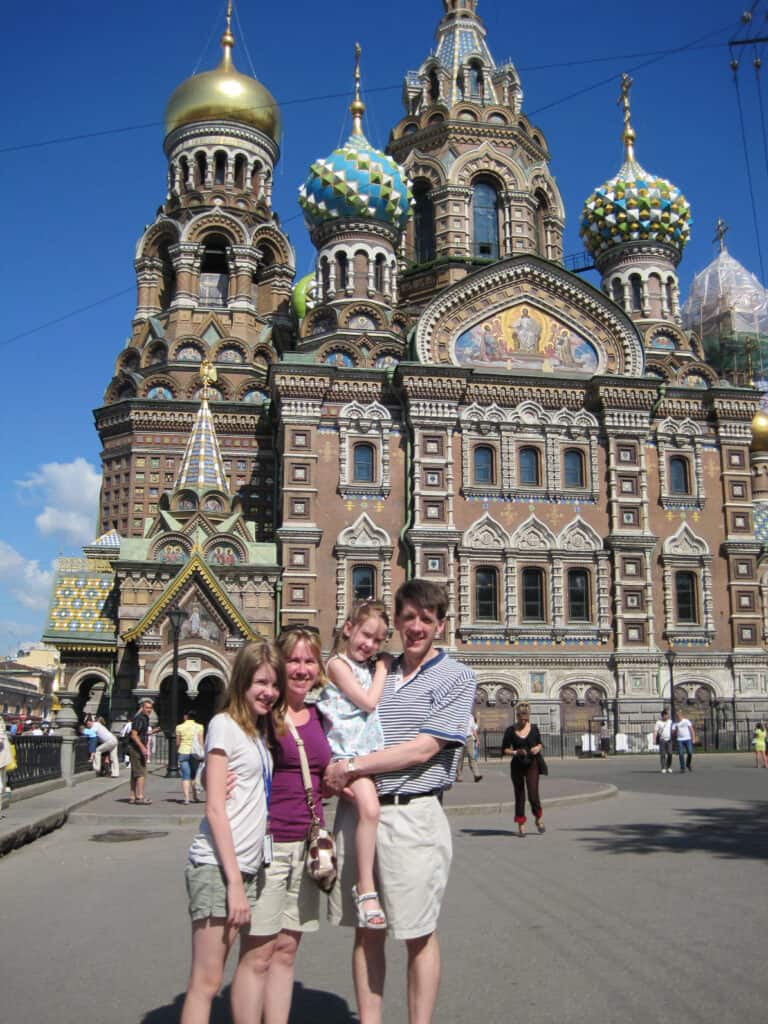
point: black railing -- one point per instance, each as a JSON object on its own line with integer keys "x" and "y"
{"x": 38, "y": 758}
{"x": 82, "y": 755}
{"x": 633, "y": 738}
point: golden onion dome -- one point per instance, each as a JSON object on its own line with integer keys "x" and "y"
{"x": 760, "y": 432}
{"x": 224, "y": 95}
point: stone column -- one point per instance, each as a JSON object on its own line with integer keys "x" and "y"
{"x": 186, "y": 262}
{"x": 66, "y": 727}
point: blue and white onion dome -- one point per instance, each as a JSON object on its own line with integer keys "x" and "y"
{"x": 356, "y": 181}
{"x": 634, "y": 206}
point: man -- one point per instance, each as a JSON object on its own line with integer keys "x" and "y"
{"x": 468, "y": 752}
{"x": 138, "y": 751}
{"x": 662, "y": 732}
{"x": 427, "y": 700}
{"x": 685, "y": 735}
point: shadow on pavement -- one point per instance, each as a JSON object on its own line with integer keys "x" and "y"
{"x": 727, "y": 832}
{"x": 480, "y": 832}
{"x": 309, "y": 1004}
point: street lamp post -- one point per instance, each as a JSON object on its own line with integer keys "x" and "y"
{"x": 670, "y": 656}
{"x": 176, "y": 617}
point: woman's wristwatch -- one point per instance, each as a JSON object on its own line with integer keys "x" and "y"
{"x": 351, "y": 766}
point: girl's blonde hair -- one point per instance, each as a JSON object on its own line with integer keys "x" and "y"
{"x": 368, "y": 608}
{"x": 523, "y": 708}
{"x": 285, "y": 645}
{"x": 249, "y": 660}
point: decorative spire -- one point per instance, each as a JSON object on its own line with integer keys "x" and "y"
{"x": 357, "y": 107}
{"x": 629, "y": 132}
{"x": 721, "y": 229}
{"x": 202, "y": 466}
{"x": 227, "y": 41}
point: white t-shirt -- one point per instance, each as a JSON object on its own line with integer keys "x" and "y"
{"x": 663, "y": 729}
{"x": 249, "y": 758}
{"x": 683, "y": 729}
{"x": 471, "y": 727}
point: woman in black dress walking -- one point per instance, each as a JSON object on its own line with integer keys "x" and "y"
{"x": 523, "y": 742}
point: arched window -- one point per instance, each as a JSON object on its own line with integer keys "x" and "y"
{"x": 578, "y": 595}
{"x": 342, "y": 271}
{"x": 617, "y": 292}
{"x": 685, "y": 598}
{"x": 434, "y": 87}
{"x": 201, "y": 169}
{"x": 423, "y": 223}
{"x": 636, "y": 291}
{"x": 679, "y": 482}
{"x": 485, "y": 219}
{"x": 167, "y": 291}
{"x": 378, "y": 273}
{"x": 184, "y": 164}
{"x": 542, "y": 213}
{"x": 363, "y": 463}
{"x": 669, "y": 288}
{"x": 573, "y": 464}
{"x": 240, "y": 168}
{"x": 214, "y": 272}
{"x": 487, "y": 595}
{"x": 219, "y": 168}
{"x": 476, "y": 80}
{"x": 363, "y": 582}
{"x": 533, "y": 595}
{"x": 529, "y": 467}
{"x": 482, "y": 464}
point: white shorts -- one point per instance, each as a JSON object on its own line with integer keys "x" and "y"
{"x": 413, "y": 859}
{"x": 288, "y": 898}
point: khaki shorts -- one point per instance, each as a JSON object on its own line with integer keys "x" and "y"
{"x": 413, "y": 858}
{"x": 207, "y": 890}
{"x": 138, "y": 762}
{"x": 288, "y": 898}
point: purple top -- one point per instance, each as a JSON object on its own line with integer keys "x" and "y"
{"x": 288, "y": 811}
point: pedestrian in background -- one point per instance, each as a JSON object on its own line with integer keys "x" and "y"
{"x": 469, "y": 751}
{"x": 758, "y": 742}
{"x": 663, "y": 734}
{"x": 189, "y": 734}
{"x": 106, "y": 748}
{"x": 138, "y": 751}
{"x": 523, "y": 742}
{"x": 685, "y": 734}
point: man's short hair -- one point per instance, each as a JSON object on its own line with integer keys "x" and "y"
{"x": 424, "y": 594}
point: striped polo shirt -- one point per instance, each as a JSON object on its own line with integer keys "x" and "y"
{"x": 438, "y": 701}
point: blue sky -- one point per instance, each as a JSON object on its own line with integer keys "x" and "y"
{"x": 74, "y": 210}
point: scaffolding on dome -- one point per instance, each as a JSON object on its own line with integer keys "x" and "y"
{"x": 728, "y": 308}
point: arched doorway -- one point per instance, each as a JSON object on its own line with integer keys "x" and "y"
{"x": 210, "y": 696}
{"x": 91, "y": 696}
{"x": 582, "y": 712}
{"x": 699, "y": 706}
{"x": 163, "y": 706}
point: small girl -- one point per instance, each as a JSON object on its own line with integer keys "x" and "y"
{"x": 348, "y": 706}
{"x": 227, "y": 853}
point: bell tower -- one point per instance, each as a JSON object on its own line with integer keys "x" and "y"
{"x": 479, "y": 169}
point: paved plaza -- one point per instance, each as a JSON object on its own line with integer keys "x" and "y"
{"x": 648, "y": 905}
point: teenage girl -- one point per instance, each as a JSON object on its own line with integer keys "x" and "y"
{"x": 348, "y": 706}
{"x": 226, "y": 854}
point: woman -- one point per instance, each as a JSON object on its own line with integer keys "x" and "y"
{"x": 185, "y": 738}
{"x": 758, "y": 742}
{"x": 289, "y": 902}
{"x": 523, "y": 742}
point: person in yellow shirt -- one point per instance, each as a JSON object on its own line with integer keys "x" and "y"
{"x": 189, "y": 738}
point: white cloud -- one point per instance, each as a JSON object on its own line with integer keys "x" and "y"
{"x": 25, "y": 580}
{"x": 69, "y": 492}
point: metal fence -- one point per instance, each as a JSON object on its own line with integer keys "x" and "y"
{"x": 38, "y": 758}
{"x": 632, "y": 738}
{"x": 83, "y": 761}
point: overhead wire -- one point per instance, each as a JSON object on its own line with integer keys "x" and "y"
{"x": 747, "y": 163}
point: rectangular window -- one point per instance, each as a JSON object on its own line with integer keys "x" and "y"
{"x": 533, "y": 595}
{"x": 578, "y": 595}
{"x": 685, "y": 596}
{"x": 486, "y": 595}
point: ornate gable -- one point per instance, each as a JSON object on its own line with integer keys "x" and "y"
{"x": 487, "y": 534}
{"x": 579, "y": 536}
{"x": 533, "y": 535}
{"x": 685, "y": 543}
{"x": 363, "y": 534}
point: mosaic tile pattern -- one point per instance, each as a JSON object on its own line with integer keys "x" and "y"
{"x": 78, "y": 605}
{"x": 202, "y": 466}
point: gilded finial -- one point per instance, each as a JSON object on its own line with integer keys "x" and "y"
{"x": 629, "y": 132}
{"x": 357, "y": 107}
{"x": 227, "y": 40}
{"x": 208, "y": 376}
{"x": 720, "y": 231}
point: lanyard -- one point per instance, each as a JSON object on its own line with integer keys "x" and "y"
{"x": 266, "y": 774}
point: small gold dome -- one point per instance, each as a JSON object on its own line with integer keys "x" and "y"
{"x": 224, "y": 95}
{"x": 760, "y": 432}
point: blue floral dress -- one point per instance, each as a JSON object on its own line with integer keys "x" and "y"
{"x": 350, "y": 730}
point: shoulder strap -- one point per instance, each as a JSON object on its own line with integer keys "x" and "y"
{"x": 305, "y": 775}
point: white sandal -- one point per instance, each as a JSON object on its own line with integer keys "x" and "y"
{"x": 365, "y": 918}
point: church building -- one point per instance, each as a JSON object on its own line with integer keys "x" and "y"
{"x": 440, "y": 398}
